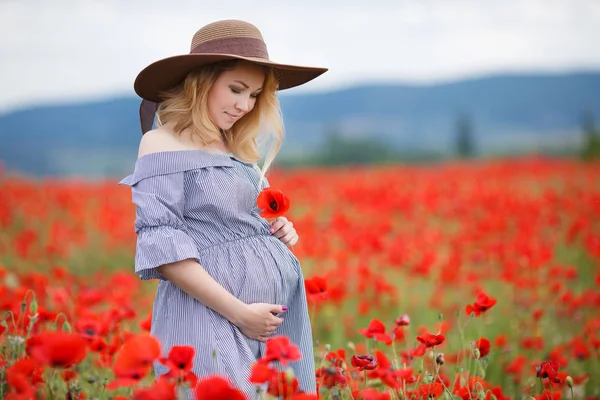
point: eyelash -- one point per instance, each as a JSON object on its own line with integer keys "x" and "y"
{"x": 236, "y": 91}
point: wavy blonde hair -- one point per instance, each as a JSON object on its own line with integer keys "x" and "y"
{"x": 259, "y": 131}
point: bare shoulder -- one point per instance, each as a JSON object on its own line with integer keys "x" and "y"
{"x": 157, "y": 140}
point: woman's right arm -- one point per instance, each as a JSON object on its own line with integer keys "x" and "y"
{"x": 254, "y": 320}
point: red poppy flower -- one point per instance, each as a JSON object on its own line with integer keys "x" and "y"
{"x": 180, "y": 362}
{"x": 481, "y": 305}
{"x": 279, "y": 348}
{"x": 316, "y": 288}
{"x": 261, "y": 373}
{"x": 404, "y": 320}
{"x": 19, "y": 387}
{"x": 364, "y": 361}
{"x": 161, "y": 389}
{"x": 281, "y": 386}
{"x": 336, "y": 358}
{"x": 332, "y": 376}
{"x": 484, "y": 347}
{"x": 431, "y": 390}
{"x": 57, "y": 349}
{"x": 384, "y": 371}
{"x": 376, "y": 330}
{"x": 371, "y": 394}
{"x": 217, "y": 388}
{"x": 427, "y": 340}
{"x": 548, "y": 369}
{"x": 28, "y": 368}
{"x": 272, "y": 202}
{"x": 134, "y": 360}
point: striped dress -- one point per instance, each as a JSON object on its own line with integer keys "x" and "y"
{"x": 202, "y": 205}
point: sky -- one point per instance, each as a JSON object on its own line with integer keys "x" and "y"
{"x": 79, "y": 50}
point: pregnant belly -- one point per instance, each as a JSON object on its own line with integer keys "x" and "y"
{"x": 256, "y": 269}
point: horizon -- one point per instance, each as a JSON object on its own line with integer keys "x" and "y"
{"x": 90, "y": 99}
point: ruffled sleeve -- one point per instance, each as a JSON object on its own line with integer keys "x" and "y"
{"x": 159, "y": 196}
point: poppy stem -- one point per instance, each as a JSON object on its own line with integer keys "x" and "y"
{"x": 544, "y": 388}
{"x": 437, "y": 374}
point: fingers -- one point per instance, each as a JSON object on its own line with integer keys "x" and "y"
{"x": 290, "y": 239}
{"x": 279, "y": 228}
{"x": 277, "y": 309}
{"x": 278, "y": 223}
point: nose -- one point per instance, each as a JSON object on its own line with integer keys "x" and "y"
{"x": 243, "y": 104}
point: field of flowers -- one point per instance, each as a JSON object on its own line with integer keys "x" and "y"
{"x": 473, "y": 281}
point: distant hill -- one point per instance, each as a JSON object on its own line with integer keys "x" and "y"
{"x": 507, "y": 112}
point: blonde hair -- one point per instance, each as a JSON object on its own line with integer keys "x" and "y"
{"x": 260, "y": 129}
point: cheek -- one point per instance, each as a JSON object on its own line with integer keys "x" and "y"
{"x": 252, "y": 103}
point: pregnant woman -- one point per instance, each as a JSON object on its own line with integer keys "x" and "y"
{"x": 227, "y": 279}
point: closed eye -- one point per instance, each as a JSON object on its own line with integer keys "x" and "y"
{"x": 239, "y": 91}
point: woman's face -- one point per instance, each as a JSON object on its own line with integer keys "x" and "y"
{"x": 234, "y": 94}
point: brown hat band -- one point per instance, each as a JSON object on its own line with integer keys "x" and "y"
{"x": 241, "y": 46}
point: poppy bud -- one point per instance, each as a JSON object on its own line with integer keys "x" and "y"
{"x": 569, "y": 381}
{"x": 289, "y": 374}
{"x": 476, "y": 353}
{"x": 33, "y": 306}
{"x": 403, "y": 320}
{"x": 439, "y": 360}
{"x": 66, "y": 327}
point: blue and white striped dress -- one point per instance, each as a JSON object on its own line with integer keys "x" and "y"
{"x": 202, "y": 205}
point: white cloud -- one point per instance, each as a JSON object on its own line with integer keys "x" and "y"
{"x": 82, "y": 49}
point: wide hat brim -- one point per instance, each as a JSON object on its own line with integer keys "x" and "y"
{"x": 167, "y": 73}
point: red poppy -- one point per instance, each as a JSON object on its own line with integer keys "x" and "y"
{"x": 57, "y": 349}
{"x": 481, "y": 305}
{"x": 484, "y": 347}
{"x": 272, "y": 202}
{"x": 316, "y": 288}
{"x": 404, "y": 320}
{"x": 279, "y": 348}
{"x": 180, "y": 362}
{"x": 376, "y": 330}
{"x": 19, "y": 387}
{"x": 427, "y": 340}
{"x": 371, "y": 394}
{"x": 364, "y": 361}
{"x": 28, "y": 368}
{"x": 281, "y": 385}
{"x": 261, "y": 373}
{"x": 336, "y": 358}
{"x": 217, "y": 388}
{"x": 431, "y": 390}
{"x": 134, "y": 360}
{"x": 384, "y": 371}
{"x": 304, "y": 396}
{"x": 548, "y": 369}
{"x": 161, "y": 389}
{"x": 332, "y": 376}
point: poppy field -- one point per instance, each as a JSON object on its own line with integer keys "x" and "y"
{"x": 454, "y": 281}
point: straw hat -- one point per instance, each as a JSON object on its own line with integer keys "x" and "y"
{"x": 217, "y": 41}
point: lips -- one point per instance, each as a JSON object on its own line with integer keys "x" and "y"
{"x": 233, "y": 116}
